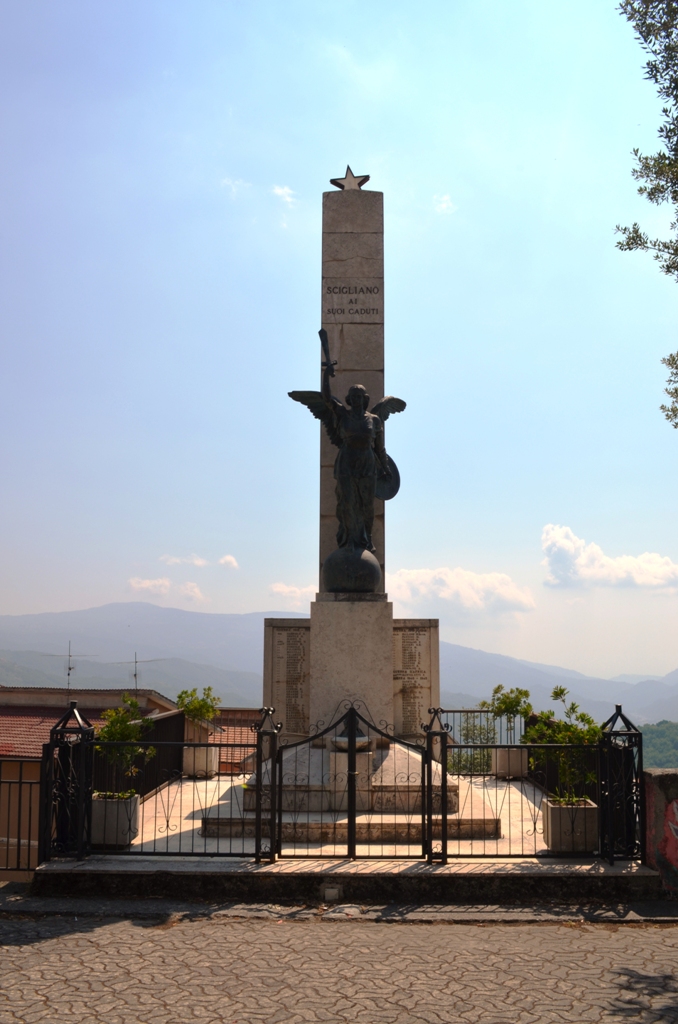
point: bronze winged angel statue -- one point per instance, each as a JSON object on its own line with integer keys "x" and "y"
{"x": 362, "y": 469}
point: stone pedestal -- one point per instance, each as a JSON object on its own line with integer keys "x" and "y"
{"x": 351, "y": 656}
{"x": 412, "y": 660}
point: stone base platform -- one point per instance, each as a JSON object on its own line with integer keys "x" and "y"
{"x": 388, "y": 779}
{"x": 393, "y": 830}
{"x": 470, "y": 881}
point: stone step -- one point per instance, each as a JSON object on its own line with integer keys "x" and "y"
{"x": 380, "y": 831}
{"x": 474, "y": 881}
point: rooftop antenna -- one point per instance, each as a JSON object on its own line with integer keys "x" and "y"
{"x": 134, "y": 674}
{"x": 69, "y": 667}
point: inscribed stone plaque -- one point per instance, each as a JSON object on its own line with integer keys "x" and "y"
{"x": 416, "y": 674}
{"x": 287, "y": 673}
{"x": 353, "y": 300}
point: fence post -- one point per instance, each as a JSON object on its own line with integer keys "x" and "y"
{"x": 435, "y": 730}
{"x": 352, "y": 726}
{"x": 84, "y": 822}
{"x": 66, "y": 787}
{"x": 267, "y": 733}
{"x": 443, "y": 797}
{"x": 640, "y": 782}
{"x": 622, "y": 804}
{"x": 429, "y": 797}
{"x": 279, "y": 790}
{"x": 257, "y": 798}
{"x": 273, "y": 813}
{"x": 46, "y": 802}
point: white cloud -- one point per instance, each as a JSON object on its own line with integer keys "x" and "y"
{"x": 235, "y": 185}
{"x": 467, "y": 591}
{"x": 443, "y": 204}
{"x": 230, "y": 561}
{"x": 161, "y": 586}
{"x": 191, "y": 591}
{"x": 191, "y": 560}
{"x": 294, "y": 597}
{"x": 285, "y": 193}
{"x": 572, "y": 562}
{"x": 164, "y": 586}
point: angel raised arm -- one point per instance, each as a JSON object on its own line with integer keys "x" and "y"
{"x": 362, "y": 469}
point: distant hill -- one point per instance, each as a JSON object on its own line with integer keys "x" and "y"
{"x": 114, "y": 632}
{"x": 226, "y": 652}
{"x": 167, "y": 676}
{"x": 477, "y": 673}
{"x": 633, "y": 678}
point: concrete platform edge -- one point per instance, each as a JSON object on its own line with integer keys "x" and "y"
{"x": 359, "y": 883}
{"x": 16, "y": 903}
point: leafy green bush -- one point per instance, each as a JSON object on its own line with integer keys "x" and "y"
{"x": 508, "y": 704}
{"x": 574, "y": 767}
{"x": 124, "y": 725}
{"x": 125, "y": 794}
{"x": 577, "y": 727}
{"x": 472, "y": 729}
{"x": 198, "y": 709}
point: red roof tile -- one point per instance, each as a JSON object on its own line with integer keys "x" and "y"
{"x": 24, "y": 730}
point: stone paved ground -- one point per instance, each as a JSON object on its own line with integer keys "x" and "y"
{"x": 93, "y": 971}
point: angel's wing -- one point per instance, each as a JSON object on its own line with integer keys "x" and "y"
{"x": 315, "y": 402}
{"x": 388, "y": 405}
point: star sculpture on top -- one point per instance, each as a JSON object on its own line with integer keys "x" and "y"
{"x": 350, "y": 180}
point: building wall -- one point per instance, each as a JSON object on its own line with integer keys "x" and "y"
{"x": 58, "y": 697}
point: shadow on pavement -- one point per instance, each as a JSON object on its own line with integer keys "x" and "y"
{"x": 650, "y": 998}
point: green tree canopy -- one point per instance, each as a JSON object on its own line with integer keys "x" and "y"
{"x": 656, "y": 26}
{"x": 198, "y": 709}
{"x": 125, "y": 725}
{"x": 576, "y": 727}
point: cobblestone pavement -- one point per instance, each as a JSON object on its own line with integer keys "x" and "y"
{"x": 209, "y": 970}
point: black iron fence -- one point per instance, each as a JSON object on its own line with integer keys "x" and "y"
{"x": 478, "y": 726}
{"x": 19, "y": 815}
{"x": 352, "y": 790}
{"x": 621, "y": 794}
{"x": 149, "y": 796}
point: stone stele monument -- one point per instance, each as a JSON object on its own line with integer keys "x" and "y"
{"x": 351, "y": 648}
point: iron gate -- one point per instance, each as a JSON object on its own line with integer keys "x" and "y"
{"x": 351, "y": 790}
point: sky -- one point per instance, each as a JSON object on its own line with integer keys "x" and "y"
{"x": 162, "y": 166}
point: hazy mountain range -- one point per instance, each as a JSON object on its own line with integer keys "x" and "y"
{"x": 179, "y": 649}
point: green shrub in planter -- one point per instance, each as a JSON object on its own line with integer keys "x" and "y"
{"x": 509, "y": 704}
{"x": 462, "y": 761}
{"x": 576, "y": 830}
{"x": 199, "y": 761}
{"x": 115, "y": 813}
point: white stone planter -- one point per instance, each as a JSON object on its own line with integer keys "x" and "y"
{"x": 201, "y": 762}
{"x": 570, "y": 828}
{"x": 508, "y": 763}
{"x": 115, "y": 823}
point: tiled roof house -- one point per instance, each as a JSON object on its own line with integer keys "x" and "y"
{"x": 27, "y": 713}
